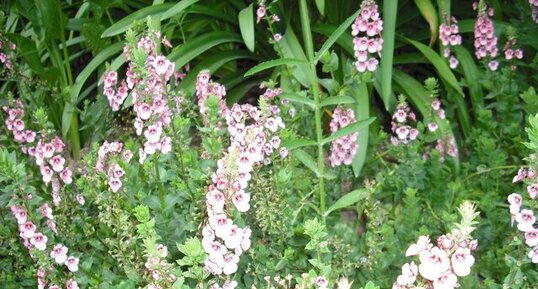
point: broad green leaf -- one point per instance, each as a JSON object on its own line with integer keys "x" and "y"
{"x": 126, "y": 22}
{"x": 321, "y": 6}
{"x": 291, "y": 48}
{"x": 430, "y": 14}
{"x": 27, "y": 51}
{"x": 177, "y": 9}
{"x": 297, "y": 143}
{"x": 390, "y": 9}
{"x": 347, "y": 200}
{"x": 440, "y": 65}
{"x": 307, "y": 160}
{"x": 183, "y": 54}
{"x": 354, "y": 127}
{"x": 51, "y": 18}
{"x": 298, "y": 98}
{"x": 335, "y": 36}
{"x": 362, "y": 111}
{"x": 335, "y": 100}
{"x": 472, "y": 77}
{"x": 273, "y": 63}
{"x": 246, "y": 25}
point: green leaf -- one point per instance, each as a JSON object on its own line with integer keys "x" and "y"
{"x": 51, "y": 18}
{"x": 345, "y": 41}
{"x": 27, "y": 51}
{"x": 126, "y": 22}
{"x": 390, "y": 9}
{"x": 177, "y": 9}
{"x": 291, "y": 48}
{"x": 321, "y": 6}
{"x": 297, "y": 143}
{"x": 430, "y": 14}
{"x": 362, "y": 111}
{"x": 343, "y": 99}
{"x": 335, "y": 36}
{"x": 298, "y": 98}
{"x": 370, "y": 285}
{"x": 274, "y": 63}
{"x": 183, "y": 54}
{"x": 472, "y": 76}
{"x": 347, "y": 200}
{"x": 354, "y": 127}
{"x": 246, "y": 25}
{"x": 440, "y": 65}
{"x": 307, "y": 160}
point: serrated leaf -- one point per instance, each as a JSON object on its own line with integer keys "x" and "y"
{"x": 347, "y": 200}
{"x": 246, "y": 26}
{"x": 354, "y": 127}
{"x": 273, "y": 63}
{"x": 335, "y": 35}
{"x": 335, "y": 100}
{"x": 307, "y": 160}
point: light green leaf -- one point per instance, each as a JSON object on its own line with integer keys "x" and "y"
{"x": 297, "y": 143}
{"x": 274, "y": 63}
{"x": 362, "y": 111}
{"x": 307, "y": 160}
{"x": 429, "y": 13}
{"x": 291, "y": 48}
{"x": 335, "y": 36}
{"x": 321, "y": 6}
{"x": 354, "y": 127}
{"x": 390, "y": 9}
{"x": 178, "y": 8}
{"x": 126, "y": 22}
{"x": 347, "y": 200}
{"x": 298, "y": 98}
{"x": 246, "y": 25}
{"x": 472, "y": 76}
{"x": 335, "y": 100}
{"x": 183, "y": 54}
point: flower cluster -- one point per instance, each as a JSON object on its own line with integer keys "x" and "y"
{"x": 343, "y": 150}
{"x": 449, "y": 36}
{"x": 148, "y": 86}
{"x": 525, "y": 218}
{"x": 6, "y": 52}
{"x": 485, "y": 40}
{"x": 367, "y": 40}
{"x": 107, "y": 161}
{"x": 440, "y": 266}
{"x": 252, "y": 141}
{"x": 261, "y": 13}
{"x": 47, "y": 154}
{"x": 205, "y": 88}
{"x": 158, "y": 268}
{"x": 446, "y": 145}
{"x": 510, "y": 52}
{"x": 404, "y": 133}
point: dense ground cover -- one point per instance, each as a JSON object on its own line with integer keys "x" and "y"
{"x": 268, "y": 144}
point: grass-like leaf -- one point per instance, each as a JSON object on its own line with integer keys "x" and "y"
{"x": 429, "y": 13}
{"x": 178, "y": 8}
{"x": 335, "y": 100}
{"x": 307, "y": 160}
{"x": 335, "y": 35}
{"x": 274, "y": 63}
{"x": 126, "y": 22}
{"x": 354, "y": 127}
{"x": 246, "y": 25}
{"x": 347, "y": 200}
{"x": 362, "y": 111}
{"x": 390, "y": 11}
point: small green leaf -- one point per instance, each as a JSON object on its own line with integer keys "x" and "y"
{"x": 298, "y": 98}
{"x": 321, "y": 6}
{"x": 335, "y": 100}
{"x": 354, "y": 127}
{"x": 335, "y": 35}
{"x": 307, "y": 160}
{"x": 297, "y": 143}
{"x": 347, "y": 200}
{"x": 246, "y": 25}
{"x": 273, "y": 63}
{"x": 178, "y": 8}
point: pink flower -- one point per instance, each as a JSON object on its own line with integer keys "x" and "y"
{"x": 65, "y": 175}
{"x": 241, "y": 201}
{"x": 433, "y": 263}
{"x": 531, "y": 237}
{"x": 432, "y": 126}
{"x": 493, "y": 65}
{"x": 533, "y": 255}
{"x": 59, "y": 254}
{"x": 160, "y": 64}
{"x": 444, "y": 242}
{"x": 521, "y": 175}
{"x": 230, "y": 264}
{"x": 525, "y": 220}
{"x": 46, "y": 172}
{"x": 71, "y": 284}
{"x": 57, "y": 163}
{"x": 27, "y": 229}
{"x": 277, "y": 37}
{"x": 72, "y": 263}
{"x": 462, "y": 260}
{"x": 114, "y": 184}
{"x": 422, "y": 244}
{"x": 533, "y": 190}
{"x": 39, "y": 241}
{"x": 409, "y": 274}
{"x": 46, "y": 211}
{"x": 400, "y": 115}
{"x": 321, "y": 282}
{"x": 21, "y": 216}
{"x": 260, "y": 13}
{"x": 446, "y": 281}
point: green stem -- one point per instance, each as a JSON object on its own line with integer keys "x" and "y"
{"x": 307, "y": 37}
{"x": 161, "y": 187}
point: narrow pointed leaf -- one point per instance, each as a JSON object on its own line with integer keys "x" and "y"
{"x": 126, "y": 22}
{"x": 178, "y": 8}
{"x": 297, "y": 143}
{"x": 246, "y": 25}
{"x": 429, "y": 13}
{"x": 335, "y": 35}
{"x": 362, "y": 111}
{"x": 354, "y": 127}
{"x": 321, "y": 6}
{"x": 335, "y": 100}
{"x": 298, "y": 98}
{"x": 347, "y": 200}
{"x": 307, "y": 160}
{"x": 274, "y": 63}
{"x": 390, "y": 9}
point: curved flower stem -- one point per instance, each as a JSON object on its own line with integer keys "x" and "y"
{"x": 490, "y": 170}
{"x": 307, "y": 36}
